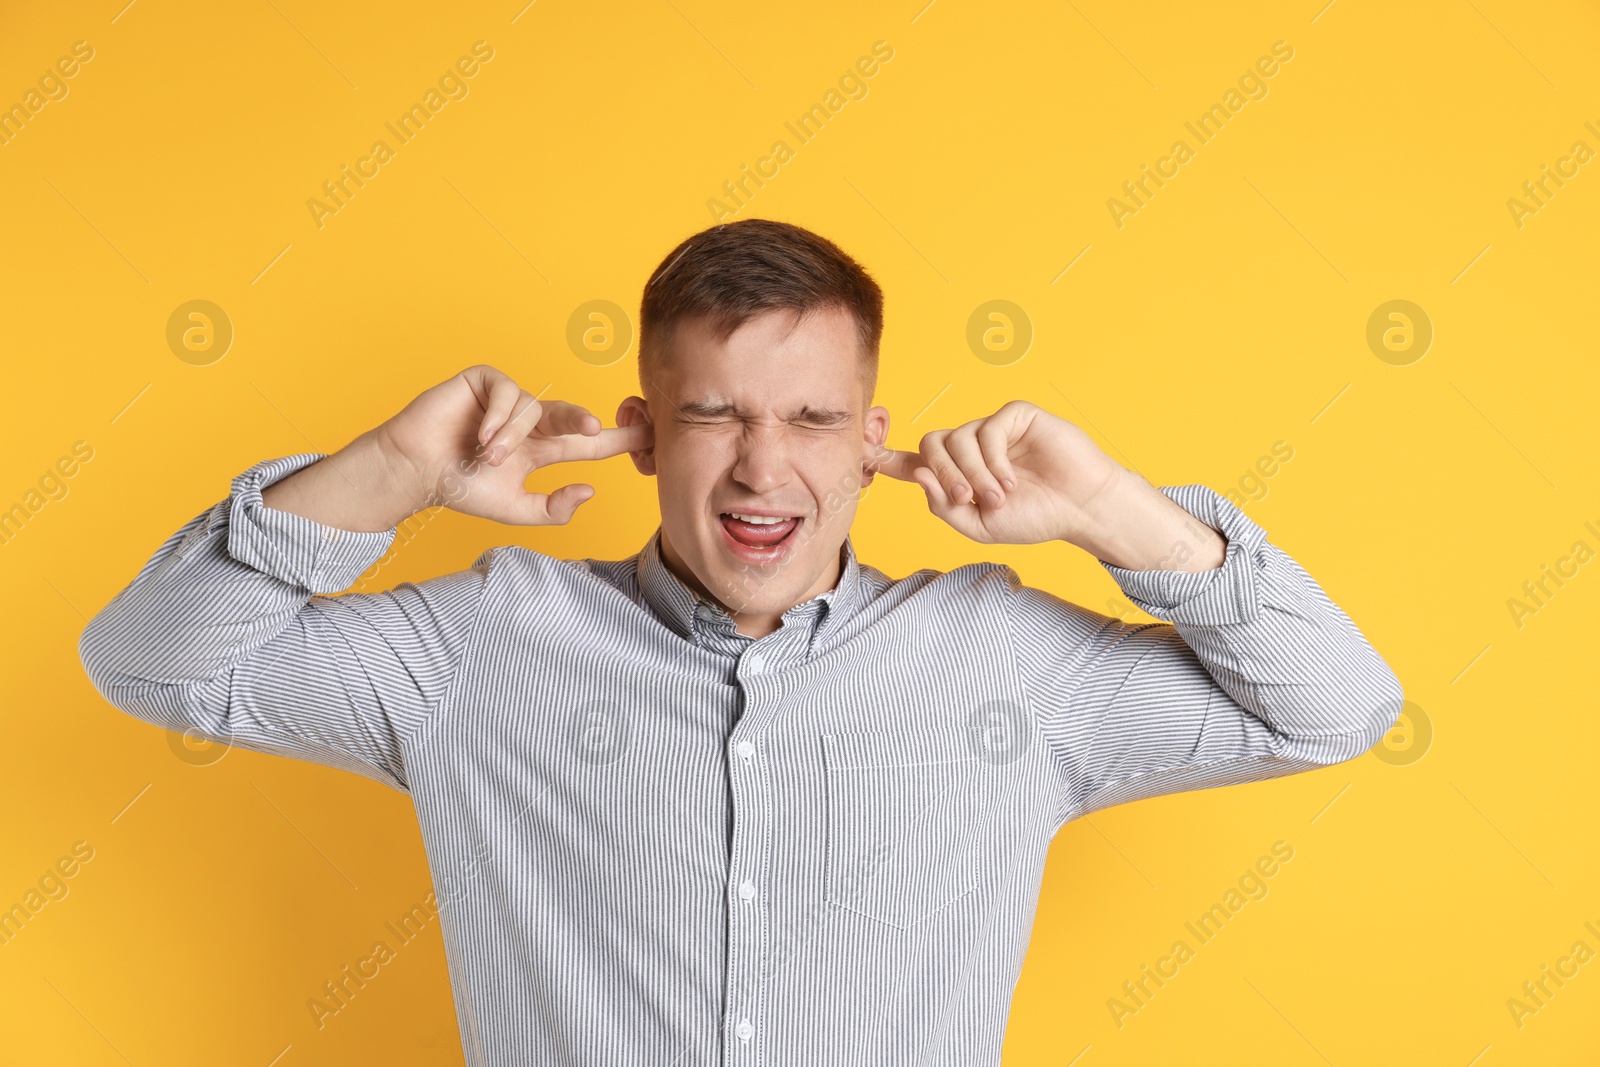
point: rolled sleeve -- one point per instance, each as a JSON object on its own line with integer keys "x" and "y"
{"x": 229, "y": 633}
{"x": 290, "y": 547}
{"x": 1224, "y": 594}
{"x": 1252, "y": 673}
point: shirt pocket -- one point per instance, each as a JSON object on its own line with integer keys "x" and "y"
{"x": 900, "y": 823}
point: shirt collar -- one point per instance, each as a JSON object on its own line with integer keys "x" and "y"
{"x": 694, "y": 618}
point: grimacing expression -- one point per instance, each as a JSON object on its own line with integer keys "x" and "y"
{"x": 773, "y": 421}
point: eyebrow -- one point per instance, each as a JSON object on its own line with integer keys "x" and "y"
{"x": 720, "y": 409}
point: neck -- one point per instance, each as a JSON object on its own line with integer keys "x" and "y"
{"x": 754, "y": 624}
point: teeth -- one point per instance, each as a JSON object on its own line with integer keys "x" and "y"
{"x": 758, "y": 520}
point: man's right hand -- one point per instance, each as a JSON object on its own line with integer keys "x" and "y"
{"x": 468, "y": 443}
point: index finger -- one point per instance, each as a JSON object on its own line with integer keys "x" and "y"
{"x": 898, "y": 464}
{"x": 558, "y": 417}
{"x": 610, "y": 441}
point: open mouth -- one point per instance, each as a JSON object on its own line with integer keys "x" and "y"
{"x": 764, "y": 535}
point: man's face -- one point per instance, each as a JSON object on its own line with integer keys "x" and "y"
{"x": 772, "y": 422}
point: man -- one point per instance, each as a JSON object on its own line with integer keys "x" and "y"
{"x": 739, "y": 798}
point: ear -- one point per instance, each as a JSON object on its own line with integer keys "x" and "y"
{"x": 634, "y": 411}
{"x": 872, "y": 441}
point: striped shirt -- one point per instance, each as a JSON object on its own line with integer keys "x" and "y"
{"x": 656, "y": 841}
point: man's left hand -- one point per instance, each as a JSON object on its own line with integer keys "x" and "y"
{"x": 1052, "y": 484}
{"x": 1020, "y": 476}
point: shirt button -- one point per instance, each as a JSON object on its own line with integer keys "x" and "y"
{"x": 755, "y": 663}
{"x": 744, "y": 1030}
{"x": 745, "y": 749}
{"x": 747, "y": 889}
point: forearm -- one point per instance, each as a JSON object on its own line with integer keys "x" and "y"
{"x": 197, "y": 608}
{"x": 1269, "y": 635}
{"x": 224, "y": 634}
{"x": 361, "y": 488}
{"x": 1258, "y": 674}
{"x": 1137, "y": 527}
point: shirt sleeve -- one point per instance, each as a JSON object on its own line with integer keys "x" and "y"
{"x": 228, "y": 634}
{"x": 1252, "y": 673}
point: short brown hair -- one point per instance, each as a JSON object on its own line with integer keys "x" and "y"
{"x": 734, "y": 271}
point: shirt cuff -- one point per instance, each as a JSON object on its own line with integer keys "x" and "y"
{"x": 290, "y": 547}
{"x": 1225, "y": 594}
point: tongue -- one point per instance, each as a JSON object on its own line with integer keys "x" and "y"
{"x": 758, "y": 536}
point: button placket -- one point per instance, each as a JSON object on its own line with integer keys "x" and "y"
{"x": 749, "y": 832}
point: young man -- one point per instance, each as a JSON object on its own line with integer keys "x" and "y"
{"x": 739, "y": 798}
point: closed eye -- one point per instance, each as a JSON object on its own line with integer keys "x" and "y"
{"x": 815, "y": 427}
{"x": 718, "y": 412}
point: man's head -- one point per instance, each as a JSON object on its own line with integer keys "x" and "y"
{"x": 758, "y": 357}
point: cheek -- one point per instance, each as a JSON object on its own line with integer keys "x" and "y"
{"x": 692, "y": 464}
{"x": 824, "y": 456}
{"x": 816, "y": 467}
{"x": 835, "y": 486}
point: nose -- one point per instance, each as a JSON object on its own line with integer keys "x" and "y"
{"x": 762, "y": 459}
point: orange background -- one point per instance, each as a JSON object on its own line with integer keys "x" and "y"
{"x": 1228, "y": 314}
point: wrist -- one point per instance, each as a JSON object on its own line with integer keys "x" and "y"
{"x": 405, "y": 483}
{"x": 1137, "y": 527}
{"x": 357, "y": 489}
{"x": 1104, "y": 517}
